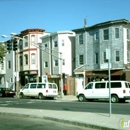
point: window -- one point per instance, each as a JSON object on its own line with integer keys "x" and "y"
{"x": 20, "y": 61}
{"x": 106, "y": 34}
{"x": 63, "y": 43}
{"x": 63, "y": 61}
{"x": 33, "y": 58}
{"x": 33, "y": 86}
{"x": 128, "y": 34}
{"x": 128, "y": 56}
{"x": 99, "y": 85}
{"x": 56, "y": 63}
{"x": 117, "y": 56}
{"x": 127, "y": 85}
{"x": 97, "y": 35}
{"x": 81, "y": 59}
{"x": 2, "y": 66}
{"x": 20, "y": 44}
{"x": 41, "y": 86}
{"x": 114, "y": 85}
{"x": 45, "y": 45}
{"x": 45, "y": 64}
{"x": 89, "y": 86}
{"x": 26, "y": 86}
{"x": 0, "y": 80}
{"x": 54, "y": 86}
{"x": 33, "y": 38}
{"x": 104, "y": 56}
{"x": 116, "y": 32}
{"x": 26, "y": 41}
{"x": 96, "y": 58}
{"x": 55, "y": 44}
{"x": 9, "y": 64}
{"x": 50, "y": 85}
{"x": 26, "y": 59}
{"x": 80, "y": 39}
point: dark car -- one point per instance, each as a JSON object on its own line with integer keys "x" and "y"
{"x": 6, "y": 92}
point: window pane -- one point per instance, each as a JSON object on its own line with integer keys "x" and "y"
{"x": 81, "y": 39}
{"x": 128, "y": 34}
{"x": 114, "y": 85}
{"x": 55, "y": 44}
{"x": 106, "y": 34}
{"x": 96, "y": 58}
{"x": 117, "y": 56}
{"x": 56, "y": 62}
{"x": 99, "y": 85}
{"x": 116, "y": 32}
{"x": 33, "y": 59}
{"x": 26, "y": 41}
{"x": 105, "y": 60}
{"x": 46, "y": 64}
{"x": 97, "y": 35}
{"x": 33, "y": 86}
{"x": 81, "y": 59}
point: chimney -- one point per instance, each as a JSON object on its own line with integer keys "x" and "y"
{"x": 85, "y": 23}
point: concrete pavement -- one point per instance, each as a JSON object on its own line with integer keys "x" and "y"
{"x": 94, "y": 120}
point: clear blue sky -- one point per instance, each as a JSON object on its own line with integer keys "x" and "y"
{"x": 58, "y": 15}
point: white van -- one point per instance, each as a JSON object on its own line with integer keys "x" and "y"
{"x": 39, "y": 90}
{"x": 120, "y": 91}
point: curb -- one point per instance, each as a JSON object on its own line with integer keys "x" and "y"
{"x": 62, "y": 120}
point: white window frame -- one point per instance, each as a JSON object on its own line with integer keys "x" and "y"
{"x": 56, "y": 63}
{"x": 55, "y": 44}
{"x": 45, "y": 64}
{"x": 33, "y": 58}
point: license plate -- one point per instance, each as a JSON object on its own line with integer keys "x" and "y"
{"x": 54, "y": 91}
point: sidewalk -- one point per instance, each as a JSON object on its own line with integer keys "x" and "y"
{"x": 94, "y": 120}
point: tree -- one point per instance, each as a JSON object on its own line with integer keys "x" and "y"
{"x": 2, "y": 51}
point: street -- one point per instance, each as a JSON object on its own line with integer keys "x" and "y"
{"x": 10, "y": 122}
{"x": 75, "y": 106}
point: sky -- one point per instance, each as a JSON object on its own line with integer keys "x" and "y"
{"x": 58, "y": 15}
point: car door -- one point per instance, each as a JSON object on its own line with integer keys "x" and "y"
{"x": 32, "y": 90}
{"x": 100, "y": 90}
{"x": 25, "y": 90}
{"x": 88, "y": 91}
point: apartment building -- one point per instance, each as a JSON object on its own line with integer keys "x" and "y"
{"x": 57, "y": 55}
{"x": 91, "y": 55}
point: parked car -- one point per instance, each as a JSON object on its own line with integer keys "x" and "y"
{"x": 40, "y": 90}
{"x": 6, "y": 92}
{"x": 120, "y": 91}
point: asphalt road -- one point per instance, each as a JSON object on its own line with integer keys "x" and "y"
{"x": 8, "y": 122}
{"x": 96, "y": 106}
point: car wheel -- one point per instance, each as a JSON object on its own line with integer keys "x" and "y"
{"x": 40, "y": 96}
{"x": 114, "y": 99}
{"x": 81, "y": 98}
{"x": 21, "y": 95}
{"x": 1, "y": 94}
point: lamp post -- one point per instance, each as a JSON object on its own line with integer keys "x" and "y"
{"x": 13, "y": 36}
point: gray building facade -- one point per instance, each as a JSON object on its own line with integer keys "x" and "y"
{"x": 92, "y": 43}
